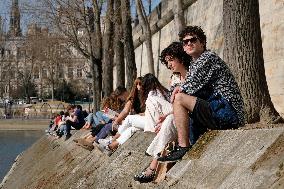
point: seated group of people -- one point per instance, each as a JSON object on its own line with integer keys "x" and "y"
{"x": 203, "y": 95}
{"x": 62, "y": 123}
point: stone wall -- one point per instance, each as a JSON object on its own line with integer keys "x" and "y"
{"x": 272, "y": 31}
{"x": 208, "y": 15}
{"x": 220, "y": 159}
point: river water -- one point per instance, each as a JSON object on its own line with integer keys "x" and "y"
{"x": 12, "y": 143}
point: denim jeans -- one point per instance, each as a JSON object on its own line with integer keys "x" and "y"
{"x": 104, "y": 132}
{"x": 95, "y": 119}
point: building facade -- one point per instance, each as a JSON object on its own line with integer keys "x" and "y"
{"x": 38, "y": 63}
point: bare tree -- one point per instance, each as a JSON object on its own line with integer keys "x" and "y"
{"x": 25, "y": 69}
{"x": 179, "y": 15}
{"x": 118, "y": 45}
{"x": 243, "y": 53}
{"x": 131, "y": 70}
{"x": 146, "y": 29}
{"x": 108, "y": 50}
{"x": 81, "y": 27}
{"x": 54, "y": 55}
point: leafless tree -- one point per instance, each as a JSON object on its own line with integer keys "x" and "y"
{"x": 80, "y": 25}
{"x": 146, "y": 29}
{"x": 108, "y": 50}
{"x": 118, "y": 45}
{"x": 178, "y": 15}
{"x": 131, "y": 70}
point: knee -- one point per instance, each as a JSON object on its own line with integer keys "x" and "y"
{"x": 178, "y": 98}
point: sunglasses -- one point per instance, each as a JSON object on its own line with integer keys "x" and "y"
{"x": 191, "y": 40}
{"x": 139, "y": 83}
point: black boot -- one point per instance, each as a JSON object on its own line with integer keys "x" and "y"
{"x": 174, "y": 155}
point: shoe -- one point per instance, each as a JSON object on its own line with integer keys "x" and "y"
{"x": 105, "y": 149}
{"x": 174, "y": 155}
{"x": 86, "y": 144}
{"x": 105, "y": 142}
{"x": 147, "y": 154}
{"x": 144, "y": 177}
{"x": 67, "y": 136}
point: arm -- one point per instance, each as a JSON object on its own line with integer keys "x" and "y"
{"x": 201, "y": 72}
{"x": 160, "y": 121}
{"x": 73, "y": 119}
{"x": 123, "y": 113}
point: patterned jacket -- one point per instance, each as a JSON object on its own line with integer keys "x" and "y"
{"x": 209, "y": 75}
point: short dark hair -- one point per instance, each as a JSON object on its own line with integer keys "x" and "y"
{"x": 193, "y": 30}
{"x": 79, "y": 107}
{"x": 175, "y": 50}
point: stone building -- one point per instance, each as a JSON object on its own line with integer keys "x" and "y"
{"x": 37, "y": 57}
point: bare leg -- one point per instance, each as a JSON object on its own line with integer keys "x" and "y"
{"x": 116, "y": 136}
{"x": 154, "y": 164}
{"x": 152, "y": 167}
{"x": 114, "y": 145}
{"x": 182, "y": 105}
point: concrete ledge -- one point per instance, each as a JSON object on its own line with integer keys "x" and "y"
{"x": 251, "y": 158}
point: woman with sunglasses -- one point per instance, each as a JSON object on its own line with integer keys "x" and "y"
{"x": 178, "y": 62}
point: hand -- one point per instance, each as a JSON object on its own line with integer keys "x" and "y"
{"x": 161, "y": 118}
{"x": 114, "y": 126}
{"x": 175, "y": 91}
{"x": 158, "y": 128}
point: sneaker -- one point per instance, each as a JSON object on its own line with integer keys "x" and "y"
{"x": 143, "y": 177}
{"x": 174, "y": 155}
{"x": 105, "y": 149}
{"x": 67, "y": 136}
{"x": 105, "y": 142}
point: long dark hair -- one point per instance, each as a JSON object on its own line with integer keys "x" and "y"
{"x": 150, "y": 83}
{"x": 135, "y": 96}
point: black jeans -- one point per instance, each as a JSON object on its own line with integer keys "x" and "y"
{"x": 77, "y": 126}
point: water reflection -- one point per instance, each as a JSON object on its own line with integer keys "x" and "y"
{"x": 12, "y": 143}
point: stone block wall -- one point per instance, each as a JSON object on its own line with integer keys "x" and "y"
{"x": 208, "y": 15}
{"x": 272, "y": 32}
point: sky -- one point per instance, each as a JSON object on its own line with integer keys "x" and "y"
{"x": 5, "y": 6}
{"x": 26, "y": 18}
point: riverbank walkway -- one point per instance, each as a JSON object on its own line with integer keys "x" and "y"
{"x": 26, "y": 124}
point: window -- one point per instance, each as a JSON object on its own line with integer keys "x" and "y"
{"x": 79, "y": 73}
{"x": 44, "y": 73}
{"x": 60, "y": 72}
{"x": 6, "y": 88}
{"x": 36, "y": 74}
{"x": 70, "y": 73}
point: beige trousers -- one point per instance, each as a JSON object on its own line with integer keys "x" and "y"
{"x": 168, "y": 133}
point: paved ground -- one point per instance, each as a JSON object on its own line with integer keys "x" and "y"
{"x": 27, "y": 124}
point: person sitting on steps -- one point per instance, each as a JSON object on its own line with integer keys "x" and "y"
{"x": 178, "y": 62}
{"x": 77, "y": 121}
{"x": 209, "y": 98}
